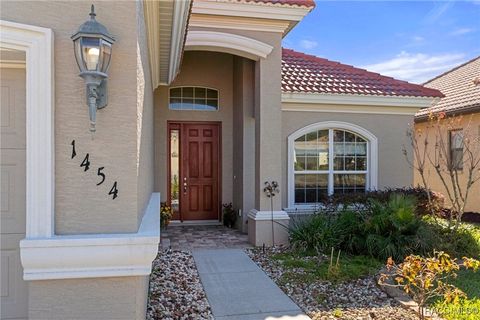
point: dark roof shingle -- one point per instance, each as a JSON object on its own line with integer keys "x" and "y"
{"x": 302, "y": 73}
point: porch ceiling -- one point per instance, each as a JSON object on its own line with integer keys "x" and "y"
{"x": 166, "y": 24}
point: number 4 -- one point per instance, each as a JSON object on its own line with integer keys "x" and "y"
{"x": 114, "y": 191}
{"x": 85, "y": 163}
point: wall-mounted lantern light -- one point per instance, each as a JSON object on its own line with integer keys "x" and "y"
{"x": 93, "y": 51}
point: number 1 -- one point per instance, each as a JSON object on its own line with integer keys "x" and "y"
{"x": 74, "y": 153}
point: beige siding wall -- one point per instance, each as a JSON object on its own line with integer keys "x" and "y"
{"x": 120, "y": 298}
{"x": 81, "y": 206}
{"x": 471, "y": 124}
{"x": 207, "y": 69}
{"x": 393, "y": 169}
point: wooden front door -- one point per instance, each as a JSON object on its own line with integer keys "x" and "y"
{"x": 199, "y": 172}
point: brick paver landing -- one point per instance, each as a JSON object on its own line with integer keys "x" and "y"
{"x": 195, "y": 237}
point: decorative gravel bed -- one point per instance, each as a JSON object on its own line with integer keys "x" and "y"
{"x": 175, "y": 289}
{"x": 358, "y": 299}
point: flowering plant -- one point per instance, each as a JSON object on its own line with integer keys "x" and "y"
{"x": 165, "y": 214}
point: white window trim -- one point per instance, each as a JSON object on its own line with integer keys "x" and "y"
{"x": 37, "y": 43}
{"x": 372, "y": 156}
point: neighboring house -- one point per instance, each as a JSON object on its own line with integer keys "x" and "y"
{"x": 195, "y": 118}
{"x": 461, "y": 104}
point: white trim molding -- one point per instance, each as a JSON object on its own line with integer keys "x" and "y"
{"x": 356, "y": 109}
{"x": 372, "y": 156}
{"x": 228, "y": 43}
{"x": 238, "y": 23}
{"x": 256, "y": 215}
{"x": 251, "y": 9}
{"x": 12, "y": 64}
{"x": 95, "y": 255}
{"x": 37, "y": 42}
{"x": 415, "y": 103}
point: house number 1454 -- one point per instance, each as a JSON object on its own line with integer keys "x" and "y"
{"x": 86, "y": 166}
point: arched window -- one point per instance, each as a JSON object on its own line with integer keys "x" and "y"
{"x": 193, "y": 98}
{"x": 330, "y": 157}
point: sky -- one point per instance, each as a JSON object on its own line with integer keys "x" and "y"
{"x": 408, "y": 40}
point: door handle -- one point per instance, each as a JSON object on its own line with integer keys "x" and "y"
{"x": 185, "y": 185}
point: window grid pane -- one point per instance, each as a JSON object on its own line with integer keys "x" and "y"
{"x": 311, "y": 151}
{"x": 193, "y": 98}
{"x": 310, "y": 188}
{"x": 456, "y": 149}
{"x": 311, "y": 165}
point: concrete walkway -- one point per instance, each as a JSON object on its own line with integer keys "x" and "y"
{"x": 237, "y": 289}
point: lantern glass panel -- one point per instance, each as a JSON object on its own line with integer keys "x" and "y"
{"x": 78, "y": 54}
{"x": 107, "y": 54}
{"x": 90, "y": 52}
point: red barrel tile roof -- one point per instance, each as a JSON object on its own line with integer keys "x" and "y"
{"x": 303, "y": 73}
{"x": 299, "y": 3}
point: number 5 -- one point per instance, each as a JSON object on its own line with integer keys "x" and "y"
{"x": 99, "y": 173}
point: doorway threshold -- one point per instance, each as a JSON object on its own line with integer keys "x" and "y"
{"x": 174, "y": 223}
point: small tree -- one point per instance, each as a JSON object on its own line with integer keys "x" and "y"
{"x": 426, "y": 278}
{"x": 431, "y": 147}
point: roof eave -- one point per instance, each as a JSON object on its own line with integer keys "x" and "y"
{"x": 354, "y": 99}
{"x": 475, "y": 108}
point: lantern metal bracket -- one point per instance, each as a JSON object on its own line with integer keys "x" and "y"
{"x": 101, "y": 92}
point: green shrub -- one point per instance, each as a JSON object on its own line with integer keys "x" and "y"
{"x": 463, "y": 241}
{"x": 314, "y": 233}
{"x": 383, "y": 229}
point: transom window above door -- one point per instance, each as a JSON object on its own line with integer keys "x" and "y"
{"x": 325, "y": 159}
{"x": 193, "y": 98}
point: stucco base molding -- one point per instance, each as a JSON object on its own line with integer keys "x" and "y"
{"x": 94, "y": 255}
{"x": 265, "y": 230}
{"x": 267, "y": 215}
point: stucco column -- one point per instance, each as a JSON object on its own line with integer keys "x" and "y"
{"x": 268, "y": 147}
{"x": 268, "y": 126}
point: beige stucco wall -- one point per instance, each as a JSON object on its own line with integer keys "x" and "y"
{"x": 471, "y": 126}
{"x": 118, "y": 145}
{"x": 120, "y": 298}
{"x": 145, "y": 119}
{"x": 208, "y": 69}
{"x": 243, "y": 139}
{"x": 390, "y": 130}
{"x": 123, "y": 144}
